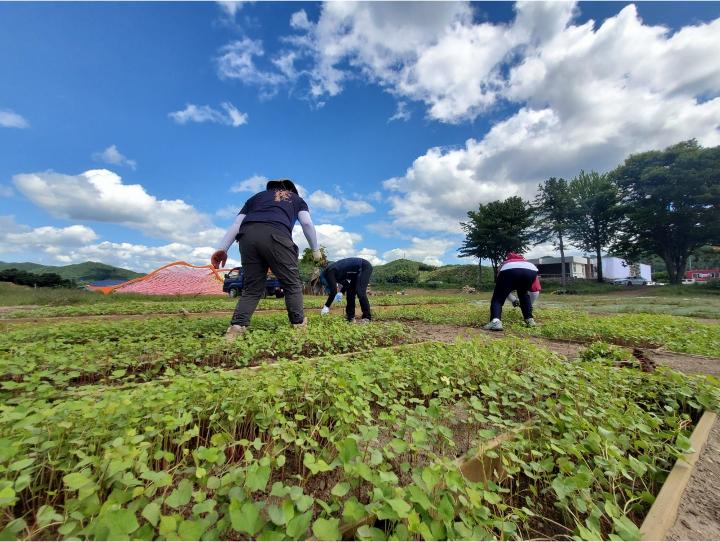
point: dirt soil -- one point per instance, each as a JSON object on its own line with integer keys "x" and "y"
{"x": 699, "y": 512}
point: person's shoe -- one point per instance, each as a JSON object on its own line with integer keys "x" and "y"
{"x": 530, "y": 322}
{"x": 494, "y": 325}
{"x": 301, "y": 325}
{"x": 234, "y": 331}
{"x": 364, "y": 321}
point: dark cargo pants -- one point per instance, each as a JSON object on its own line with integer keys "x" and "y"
{"x": 358, "y": 287}
{"x": 263, "y": 246}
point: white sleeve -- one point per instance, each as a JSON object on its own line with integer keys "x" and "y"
{"x": 308, "y": 229}
{"x": 230, "y": 234}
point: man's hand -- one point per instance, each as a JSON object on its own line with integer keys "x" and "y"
{"x": 325, "y": 310}
{"x": 317, "y": 255}
{"x": 218, "y": 259}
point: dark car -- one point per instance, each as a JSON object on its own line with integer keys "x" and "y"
{"x": 235, "y": 282}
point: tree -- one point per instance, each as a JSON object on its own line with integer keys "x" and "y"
{"x": 497, "y": 228}
{"x": 595, "y": 214}
{"x": 671, "y": 204}
{"x": 553, "y": 206}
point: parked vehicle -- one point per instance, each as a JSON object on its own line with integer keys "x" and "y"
{"x": 235, "y": 282}
{"x": 631, "y": 281}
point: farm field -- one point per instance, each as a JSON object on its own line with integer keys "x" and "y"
{"x": 133, "y": 418}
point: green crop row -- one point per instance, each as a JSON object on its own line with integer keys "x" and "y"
{"x": 134, "y": 306}
{"x": 674, "y": 333}
{"x": 45, "y": 359}
{"x": 362, "y": 446}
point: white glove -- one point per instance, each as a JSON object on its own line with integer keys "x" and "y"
{"x": 325, "y": 310}
{"x": 317, "y": 255}
{"x": 338, "y": 297}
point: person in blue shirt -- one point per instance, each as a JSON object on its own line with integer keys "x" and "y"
{"x": 353, "y": 277}
{"x": 263, "y": 229}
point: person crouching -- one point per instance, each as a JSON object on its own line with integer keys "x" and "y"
{"x": 516, "y": 273}
{"x": 353, "y": 277}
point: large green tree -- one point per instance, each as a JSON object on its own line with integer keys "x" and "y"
{"x": 671, "y": 203}
{"x": 553, "y": 206}
{"x": 595, "y": 214}
{"x": 497, "y": 228}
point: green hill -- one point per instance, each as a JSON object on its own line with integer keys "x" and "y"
{"x": 80, "y": 272}
{"x": 409, "y": 272}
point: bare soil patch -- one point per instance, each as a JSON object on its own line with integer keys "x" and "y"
{"x": 699, "y": 512}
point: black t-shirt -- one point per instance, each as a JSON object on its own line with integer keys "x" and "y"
{"x": 279, "y": 208}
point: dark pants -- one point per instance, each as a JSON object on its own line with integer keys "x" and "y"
{"x": 507, "y": 281}
{"x": 358, "y": 287}
{"x": 263, "y": 246}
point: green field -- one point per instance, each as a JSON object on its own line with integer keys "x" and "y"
{"x": 153, "y": 427}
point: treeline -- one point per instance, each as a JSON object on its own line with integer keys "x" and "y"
{"x": 45, "y": 280}
{"x": 663, "y": 204}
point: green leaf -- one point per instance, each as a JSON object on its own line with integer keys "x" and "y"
{"x": 366, "y": 532}
{"x": 400, "y": 507}
{"x": 684, "y": 445}
{"x": 151, "y": 512}
{"x": 76, "y": 480}
{"x": 180, "y": 495}
{"x": 168, "y": 525}
{"x": 46, "y": 515}
{"x": 245, "y": 518}
{"x": 257, "y": 477}
{"x": 353, "y": 511}
{"x": 7, "y": 496}
{"x": 626, "y": 529}
{"x": 347, "y": 450}
{"x": 120, "y": 523}
{"x": 20, "y": 465}
{"x": 326, "y": 529}
{"x": 297, "y": 527}
{"x": 190, "y": 530}
{"x": 419, "y": 497}
{"x": 341, "y": 489}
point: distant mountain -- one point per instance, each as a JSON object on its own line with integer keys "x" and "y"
{"x": 80, "y": 272}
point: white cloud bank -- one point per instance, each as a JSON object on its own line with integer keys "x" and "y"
{"x": 10, "y": 119}
{"x": 229, "y": 116}
{"x": 579, "y": 96}
{"x": 101, "y": 195}
{"x": 113, "y": 156}
{"x": 338, "y": 242}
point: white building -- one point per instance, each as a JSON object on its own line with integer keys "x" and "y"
{"x": 617, "y": 268}
{"x": 581, "y": 267}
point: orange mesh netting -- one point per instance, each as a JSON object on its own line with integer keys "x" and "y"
{"x": 177, "y": 278}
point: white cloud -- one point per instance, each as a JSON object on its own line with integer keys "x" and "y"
{"x": 324, "y": 201}
{"x": 15, "y": 237}
{"x": 102, "y": 196}
{"x": 204, "y": 113}
{"x": 587, "y": 98}
{"x": 401, "y": 113}
{"x": 73, "y": 244}
{"x": 427, "y": 250}
{"x": 356, "y": 207}
{"x": 230, "y": 8}
{"x": 256, "y": 183}
{"x": 10, "y": 119}
{"x": 229, "y": 211}
{"x": 299, "y": 20}
{"x": 338, "y": 242}
{"x": 6, "y": 191}
{"x": 113, "y": 156}
{"x": 236, "y": 60}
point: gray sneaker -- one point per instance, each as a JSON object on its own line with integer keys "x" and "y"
{"x": 530, "y": 322}
{"x": 234, "y": 331}
{"x": 494, "y": 325}
{"x": 363, "y": 321}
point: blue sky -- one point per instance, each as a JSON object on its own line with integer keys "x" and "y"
{"x": 131, "y": 132}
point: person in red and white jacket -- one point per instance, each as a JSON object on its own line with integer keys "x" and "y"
{"x": 515, "y": 273}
